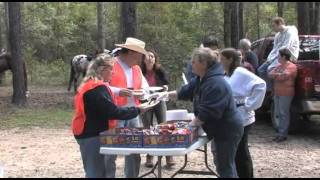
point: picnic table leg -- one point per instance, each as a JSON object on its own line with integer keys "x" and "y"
{"x": 206, "y": 160}
{"x": 182, "y": 168}
{"x": 159, "y": 167}
{"x": 151, "y": 171}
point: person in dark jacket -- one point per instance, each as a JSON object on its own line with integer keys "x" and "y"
{"x": 214, "y": 108}
{"x": 248, "y": 56}
{"x": 156, "y": 76}
{"x": 94, "y": 111}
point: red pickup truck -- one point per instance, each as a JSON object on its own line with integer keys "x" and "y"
{"x": 307, "y": 99}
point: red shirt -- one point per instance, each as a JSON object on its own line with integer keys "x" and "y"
{"x": 284, "y": 82}
{"x": 151, "y": 78}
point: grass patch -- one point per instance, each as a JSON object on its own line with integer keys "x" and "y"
{"x": 44, "y": 73}
{"x": 46, "y": 118}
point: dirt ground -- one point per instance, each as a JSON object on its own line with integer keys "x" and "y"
{"x": 39, "y": 152}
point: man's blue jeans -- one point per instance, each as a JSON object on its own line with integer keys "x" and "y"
{"x": 263, "y": 73}
{"x": 132, "y": 162}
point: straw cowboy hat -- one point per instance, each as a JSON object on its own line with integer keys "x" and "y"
{"x": 134, "y": 45}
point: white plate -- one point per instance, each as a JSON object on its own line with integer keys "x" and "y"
{"x": 163, "y": 96}
{"x": 155, "y": 88}
{"x": 137, "y": 93}
{"x": 147, "y": 105}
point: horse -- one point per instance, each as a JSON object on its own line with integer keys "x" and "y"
{"x": 79, "y": 65}
{"x": 5, "y": 59}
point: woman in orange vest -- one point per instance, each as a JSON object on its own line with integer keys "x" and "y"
{"x": 94, "y": 111}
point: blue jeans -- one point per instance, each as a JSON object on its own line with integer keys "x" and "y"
{"x": 159, "y": 111}
{"x": 224, "y": 156}
{"x": 93, "y": 161}
{"x": 282, "y": 106}
{"x": 243, "y": 158}
{"x": 263, "y": 73}
{"x": 132, "y": 162}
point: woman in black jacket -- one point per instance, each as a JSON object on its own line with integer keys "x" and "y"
{"x": 94, "y": 111}
{"x": 156, "y": 76}
{"x": 214, "y": 108}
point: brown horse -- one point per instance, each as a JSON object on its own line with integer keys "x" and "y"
{"x": 5, "y": 65}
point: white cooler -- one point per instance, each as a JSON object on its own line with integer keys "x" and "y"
{"x": 177, "y": 114}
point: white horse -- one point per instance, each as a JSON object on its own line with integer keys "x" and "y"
{"x": 79, "y": 65}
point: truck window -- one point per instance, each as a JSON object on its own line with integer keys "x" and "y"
{"x": 309, "y": 49}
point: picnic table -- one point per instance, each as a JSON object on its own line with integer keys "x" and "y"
{"x": 160, "y": 152}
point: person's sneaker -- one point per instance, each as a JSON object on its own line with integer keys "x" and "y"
{"x": 281, "y": 139}
{"x": 170, "y": 162}
{"x": 149, "y": 161}
{"x": 275, "y": 139}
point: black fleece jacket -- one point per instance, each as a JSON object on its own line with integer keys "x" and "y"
{"x": 213, "y": 104}
{"x": 99, "y": 108}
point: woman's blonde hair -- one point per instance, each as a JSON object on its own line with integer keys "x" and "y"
{"x": 96, "y": 66}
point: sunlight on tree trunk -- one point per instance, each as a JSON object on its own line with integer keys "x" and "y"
{"x": 19, "y": 89}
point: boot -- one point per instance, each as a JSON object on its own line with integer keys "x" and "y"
{"x": 169, "y": 160}
{"x": 149, "y": 161}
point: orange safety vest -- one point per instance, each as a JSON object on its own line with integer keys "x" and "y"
{"x": 119, "y": 80}
{"x": 79, "y": 118}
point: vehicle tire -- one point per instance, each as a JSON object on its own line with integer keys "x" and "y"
{"x": 263, "y": 113}
{"x": 306, "y": 117}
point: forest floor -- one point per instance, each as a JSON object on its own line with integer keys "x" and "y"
{"x": 37, "y": 142}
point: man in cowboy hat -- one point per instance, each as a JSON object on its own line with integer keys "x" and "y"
{"x": 127, "y": 75}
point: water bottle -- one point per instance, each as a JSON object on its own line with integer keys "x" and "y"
{"x": 166, "y": 97}
{"x": 1, "y": 171}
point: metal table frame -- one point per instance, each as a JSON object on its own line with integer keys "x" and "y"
{"x": 160, "y": 152}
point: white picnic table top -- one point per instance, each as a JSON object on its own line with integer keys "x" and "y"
{"x": 155, "y": 151}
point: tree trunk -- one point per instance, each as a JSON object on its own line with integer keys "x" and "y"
{"x": 1, "y": 40}
{"x": 234, "y": 24}
{"x": 311, "y": 11}
{"x": 314, "y": 17}
{"x": 2, "y": 44}
{"x": 19, "y": 87}
{"x": 57, "y": 30}
{"x": 303, "y": 17}
{"x": 227, "y": 24}
{"x": 101, "y": 25}
{"x": 258, "y": 20}
{"x": 317, "y": 17}
{"x": 128, "y": 20}
{"x": 241, "y": 26}
{"x": 246, "y": 20}
{"x": 280, "y": 8}
{"x": 6, "y": 22}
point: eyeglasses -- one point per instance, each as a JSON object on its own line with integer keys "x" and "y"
{"x": 107, "y": 68}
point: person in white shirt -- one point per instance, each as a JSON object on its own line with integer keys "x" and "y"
{"x": 127, "y": 76}
{"x": 286, "y": 37}
{"x": 248, "y": 91}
